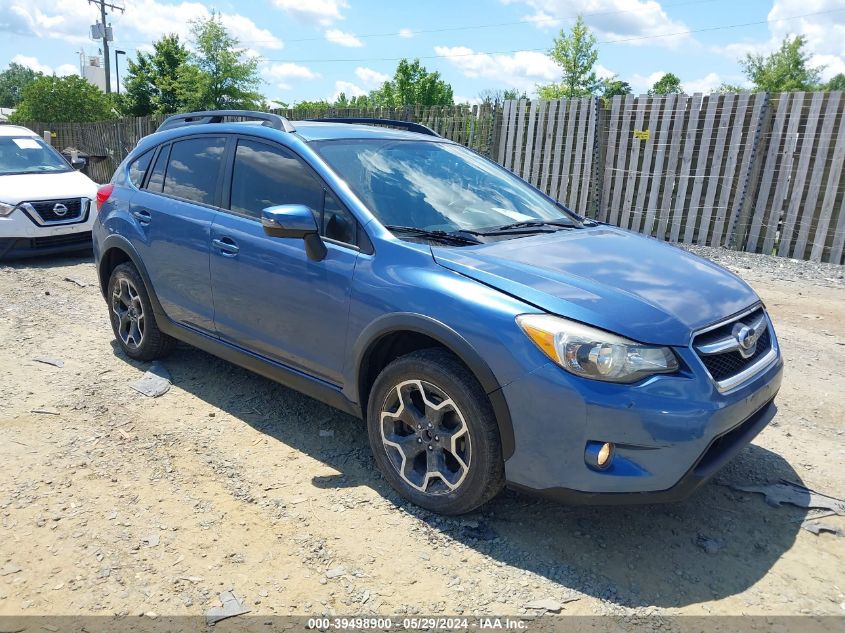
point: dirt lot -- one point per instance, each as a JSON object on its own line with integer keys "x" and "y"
{"x": 115, "y": 503}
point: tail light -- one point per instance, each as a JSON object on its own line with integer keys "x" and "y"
{"x": 103, "y": 194}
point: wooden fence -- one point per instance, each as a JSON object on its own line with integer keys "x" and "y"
{"x": 756, "y": 172}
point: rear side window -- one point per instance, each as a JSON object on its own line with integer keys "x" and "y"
{"x": 193, "y": 169}
{"x": 139, "y": 167}
{"x": 266, "y": 176}
{"x": 156, "y": 179}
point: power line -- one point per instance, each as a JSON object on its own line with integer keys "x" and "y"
{"x": 532, "y": 50}
{"x": 471, "y": 27}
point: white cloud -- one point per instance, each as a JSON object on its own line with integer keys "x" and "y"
{"x": 602, "y": 72}
{"x": 32, "y": 62}
{"x": 322, "y": 12}
{"x": 521, "y": 70}
{"x": 611, "y": 19}
{"x": 469, "y": 100}
{"x": 347, "y": 88}
{"x": 406, "y": 33}
{"x": 336, "y": 36}
{"x": 640, "y": 84}
{"x": 143, "y": 20}
{"x": 371, "y": 77}
{"x": 825, "y": 33}
{"x": 706, "y": 85}
{"x": 281, "y": 75}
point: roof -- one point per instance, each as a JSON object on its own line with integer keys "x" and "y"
{"x": 322, "y": 131}
{"x": 15, "y": 130}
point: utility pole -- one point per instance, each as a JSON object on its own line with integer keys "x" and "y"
{"x": 103, "y": 5}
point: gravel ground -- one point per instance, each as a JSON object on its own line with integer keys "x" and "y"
{"x": 114, "y": 503}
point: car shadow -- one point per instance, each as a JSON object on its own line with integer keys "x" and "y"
{"x": 716, "y": 544}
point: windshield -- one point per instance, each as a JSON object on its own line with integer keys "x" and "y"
{"x": 436, "y": 186}
{"x": 28, "y": 155}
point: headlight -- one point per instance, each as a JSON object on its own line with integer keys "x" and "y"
{"x": 6, "y": 209}
{"x": 593, "y": 353}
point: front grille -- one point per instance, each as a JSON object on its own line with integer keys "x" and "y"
{"x": 730, "y": 363}
{"x": 47, "y": 212}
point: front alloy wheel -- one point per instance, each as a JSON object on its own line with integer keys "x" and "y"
{"x": 433, "y": 432}
{"x": 425, "y": 437}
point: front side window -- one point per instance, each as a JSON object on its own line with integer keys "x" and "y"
{"x": 193, "y": 169}
{"x": 436, "y": 186}
{"x": 29, "y": 155}
{"x": 266, "y": 176}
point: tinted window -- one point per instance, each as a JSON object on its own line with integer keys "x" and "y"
{"x": 157, "y": 176}
{"x": 194, "y": 168}
{"x": 139, "y": 167}
{"x": 267, "y": 176}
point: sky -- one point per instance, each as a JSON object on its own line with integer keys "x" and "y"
{"x": 314, "y": 49}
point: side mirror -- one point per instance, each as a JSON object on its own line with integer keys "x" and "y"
{"x": 296, "y": 221}
{"x": 78, "y": 163}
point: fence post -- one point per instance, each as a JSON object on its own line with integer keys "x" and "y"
{"x": 599, "y": 153}
{"x": 752, "y": 177}
{"x": 494, "y": 132}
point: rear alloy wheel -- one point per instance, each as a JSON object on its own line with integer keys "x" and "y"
{"x": 433, "y": 433}
{"x": 132, "y": 318}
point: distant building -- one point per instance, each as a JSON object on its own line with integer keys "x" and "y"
{"x": 93, "y": 71}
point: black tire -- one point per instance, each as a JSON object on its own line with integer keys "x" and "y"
{"x": 146, "y": 341}
{"x": 449, "y": 385}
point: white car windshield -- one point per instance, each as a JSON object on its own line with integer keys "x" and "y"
{"x": 29, "y": 155}
{"x": 437, "y": 186}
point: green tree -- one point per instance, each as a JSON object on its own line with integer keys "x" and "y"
{"x": 63, "y": 99}
{"x": 13, "y": 80}
{"x": 836, "y": 83}
{"x": 412, "y": 84}
{"x": 614, "y": 86}
{"x": 726, "y": 88}
{"x": 227, "y": 78}
{"x": 490, "y": 96}
{"x": 156, "y": 82}
{"x": 576, "y": 53}
{"x": 668, "y": 84}
{"x": 785, "y": 70}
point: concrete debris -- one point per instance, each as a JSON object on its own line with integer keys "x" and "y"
{"x": 155, "y": 382}
{"x": 231, "y": 607}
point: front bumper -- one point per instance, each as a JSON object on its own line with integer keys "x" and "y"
{"x": 671, "y": 433}
{"x": 23, "y": 247}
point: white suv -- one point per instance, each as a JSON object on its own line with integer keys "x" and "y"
{"x": 46, "y": 206}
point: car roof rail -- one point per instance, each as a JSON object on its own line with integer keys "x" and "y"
{"x": 408, "y": 126}
{"x": 275, "y": 121}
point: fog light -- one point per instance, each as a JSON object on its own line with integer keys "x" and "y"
{"x": 605, "y": 453}
{"x": 599, "y": 455}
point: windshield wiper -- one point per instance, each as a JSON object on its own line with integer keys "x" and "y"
{"x": 519, "y": 227}
{"x": 444, "y": 236}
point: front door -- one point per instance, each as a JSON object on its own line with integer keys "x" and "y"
{"x": 269, "y": 297}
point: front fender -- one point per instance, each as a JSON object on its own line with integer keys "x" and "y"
{"x": 449, "y": 338}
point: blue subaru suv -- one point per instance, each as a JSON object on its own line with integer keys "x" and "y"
{"x": 488, "y": 335}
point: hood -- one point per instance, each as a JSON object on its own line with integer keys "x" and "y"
{"x": 635, "y": 286}
{"x": 18, "y": 188}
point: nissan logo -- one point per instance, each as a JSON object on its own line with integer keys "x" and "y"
{"x": 59, "y": 210}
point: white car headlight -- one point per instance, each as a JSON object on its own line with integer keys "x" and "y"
{"x": 592, "y": 353}
{"x": 6, "y": 209}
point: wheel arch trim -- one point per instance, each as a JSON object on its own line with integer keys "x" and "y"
{"x": 417, "y": 323}
{"x": 120, "y": 243}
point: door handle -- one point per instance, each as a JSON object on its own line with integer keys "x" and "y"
{"x": 142, "y": 215}
{"x": 226, "y": 246}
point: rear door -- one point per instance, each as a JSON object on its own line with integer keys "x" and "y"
{"x": 268, "y": 296}
{"x": 174, "y": 210}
